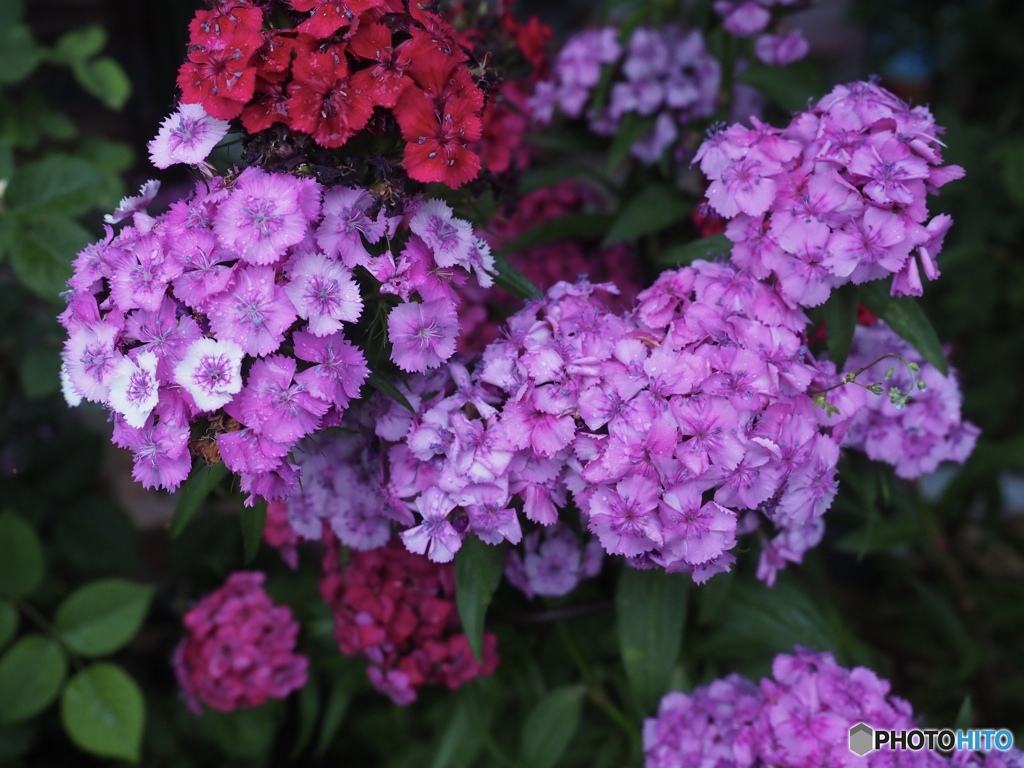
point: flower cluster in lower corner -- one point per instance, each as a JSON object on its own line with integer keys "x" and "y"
{"x": 397, "y": 610}
{"x": 798, "y": 718}
{"x": 240, "y": 648}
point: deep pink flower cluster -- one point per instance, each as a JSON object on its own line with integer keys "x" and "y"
{"x": 914, "y": 438}
{"x": 666, "y": 75}
{"x": 240, "y": 648}
{"x": 798, "y": 718}
{"x": 838, "y": 196}
{"x": 236, "y": 301}
{"x": 550, "y": 562}
{"x": 398, "y": 610}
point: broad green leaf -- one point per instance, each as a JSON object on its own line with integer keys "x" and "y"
{"x": 111, "y": 156}
{"x": 42, "y": 250}
{"x": 905, "y": 316}
{"x": 386, "y": 388}
{"x": 20, "y": 54}
{"x": 31, "y": 673}
{"x": 8, "y": 623}
{"x": 79, "y": 45}
{"x": 512, "y": 280}
{"x": 882, "y": 535}
{"x": 103, "y": 712}
{"x": 840, "y": 313}
{"x": 705, "y": 248}
{"x": 570, "y": 227}
{"x": 253, "y": 519}
{"x": 965, "y": 716}
{"x": 193, "y": 493}
{"x": 243, "y": 735}
{"x": 21, "y": 557}
{"x": 58, "y": 184}
{"x": 550, "y": 727}
{"x": 309, "y": 712}
{"x": 105, "y": 79}
{"x": 656, "y": 208}
{"x": 632, "y": 128}
{"x": 789, "y": 87}
{"x": 103, "y": 616}
{"x": 40, "y": 372}
{"x": 651, "y": 611}
{"x": 477, "y": 573}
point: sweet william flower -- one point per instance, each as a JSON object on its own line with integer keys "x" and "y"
{"x": 323, "y": 292}
{"x": 187, "y": 136}
{"x": 254, "y": 311}
{"x": 211, "y": 372}
{"x": 422, "y": 334}
{"x": 133, "y": 389}
{"x": 437, "y": 136}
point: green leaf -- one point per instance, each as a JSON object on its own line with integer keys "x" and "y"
{"x": 193, "y": 493}
{"x": 103, "y": 712}
{"x": 58, "y": 184}
{"x": 105, "y": 79}
{"x": 654, "y": 209}
{"x": 20, "y": 54}
{"x": 906, "y": 318}
{"x": 42, "y": 249}
{"x": 632, "y": 128}
{"x": 111, "y": 156}
{"x": 6, "y": 163}
{"x": 40, "y": 372}
{"x": 31, "y": 673}
{"x": 460, "y": 742}
{"x": 103, "y": 616}
{"x": 512, "y": 280}
{"x": 841, "y": 320}
{"x": 334, "y": 713}
{"x": 550, "y": 727}
{"x": 21, "y": 557}
{"x": 651, "y": 611}
{"x": 11, "y": 12}
{"x": 477, "y": 573}
{"x": 386, "y": 388}
{"x": 8, "y": 623}
{"x": 253, "y": 520}
{"x": 79, "y": 45}
{"x": 309, "y": 711}
{"x": 789, "y": 87}
{"x": 705, "y": 248}
{"x": 570, "y": 227}
{"x": 965, "y": 716}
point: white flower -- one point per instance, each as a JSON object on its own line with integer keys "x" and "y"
{"x": 211, "y": 371}
{"x": 188, "y": 136}
{"x": 133, "y": 390}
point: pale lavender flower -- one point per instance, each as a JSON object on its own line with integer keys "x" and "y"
{"x": 187, "y": 136}
{"x": 211, "y": 372}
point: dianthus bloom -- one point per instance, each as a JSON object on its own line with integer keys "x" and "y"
{"x": 231, "y": 310}
{"x": 240, "y": 648}
{"x": 669, "y": 78}
{"x": 838, "y": 196}
{"x": 187, "y": 136}
{"x": 800, "y": 717}
{"x": 397, "y": 610}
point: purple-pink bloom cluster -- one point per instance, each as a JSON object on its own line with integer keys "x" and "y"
{"x": 798, "y": 718}
{"x": 236, "y": 302}
{"x": 838, "y": 196}
{"x": 914, "y": 438}
{"x": 666, "y": 75}
{"x": 240, "y": 648}
{"x": 550, "y": 562}
{"x": 746, "y": 18}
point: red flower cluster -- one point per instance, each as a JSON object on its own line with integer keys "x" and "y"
{"x": 240, "y": 648}
{"x": 398, "y": 610}
{"x": 327, "y": 74}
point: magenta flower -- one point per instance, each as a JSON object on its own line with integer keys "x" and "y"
{"x": 346, "y": 224}
{"x": 340, "y": 368}
{"x": 91, "y": 360}
{"x": 434, "y": 536}
{"x": 276, "y": 405}
{"x": 187, "y": 136}
{"x": 161, "y": 455}
{"x": 422, "y": 334}
{"x": 450, "y": 239}
{"x": 254, "y": 311}
{"x": 625, "y": 518}
{"x": 323, "y": 292}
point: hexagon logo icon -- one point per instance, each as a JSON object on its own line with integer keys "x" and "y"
{"x": 862, "y": 739}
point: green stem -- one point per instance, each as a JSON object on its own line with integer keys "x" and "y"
{"x": 597, "y": 693}
{"x": 50, "y": 631}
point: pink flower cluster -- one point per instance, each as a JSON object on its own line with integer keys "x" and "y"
{"x": 236, "y": 301}
{"x": 667, "y": 75}
{"x": 746, "y": 18}
{"x": 836, "y": 197}
{"x": 914, "y": 438}
{"x": 798, "y": 718}
{"x": 240, "y": 648}
{"x": 398, "y": 611}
